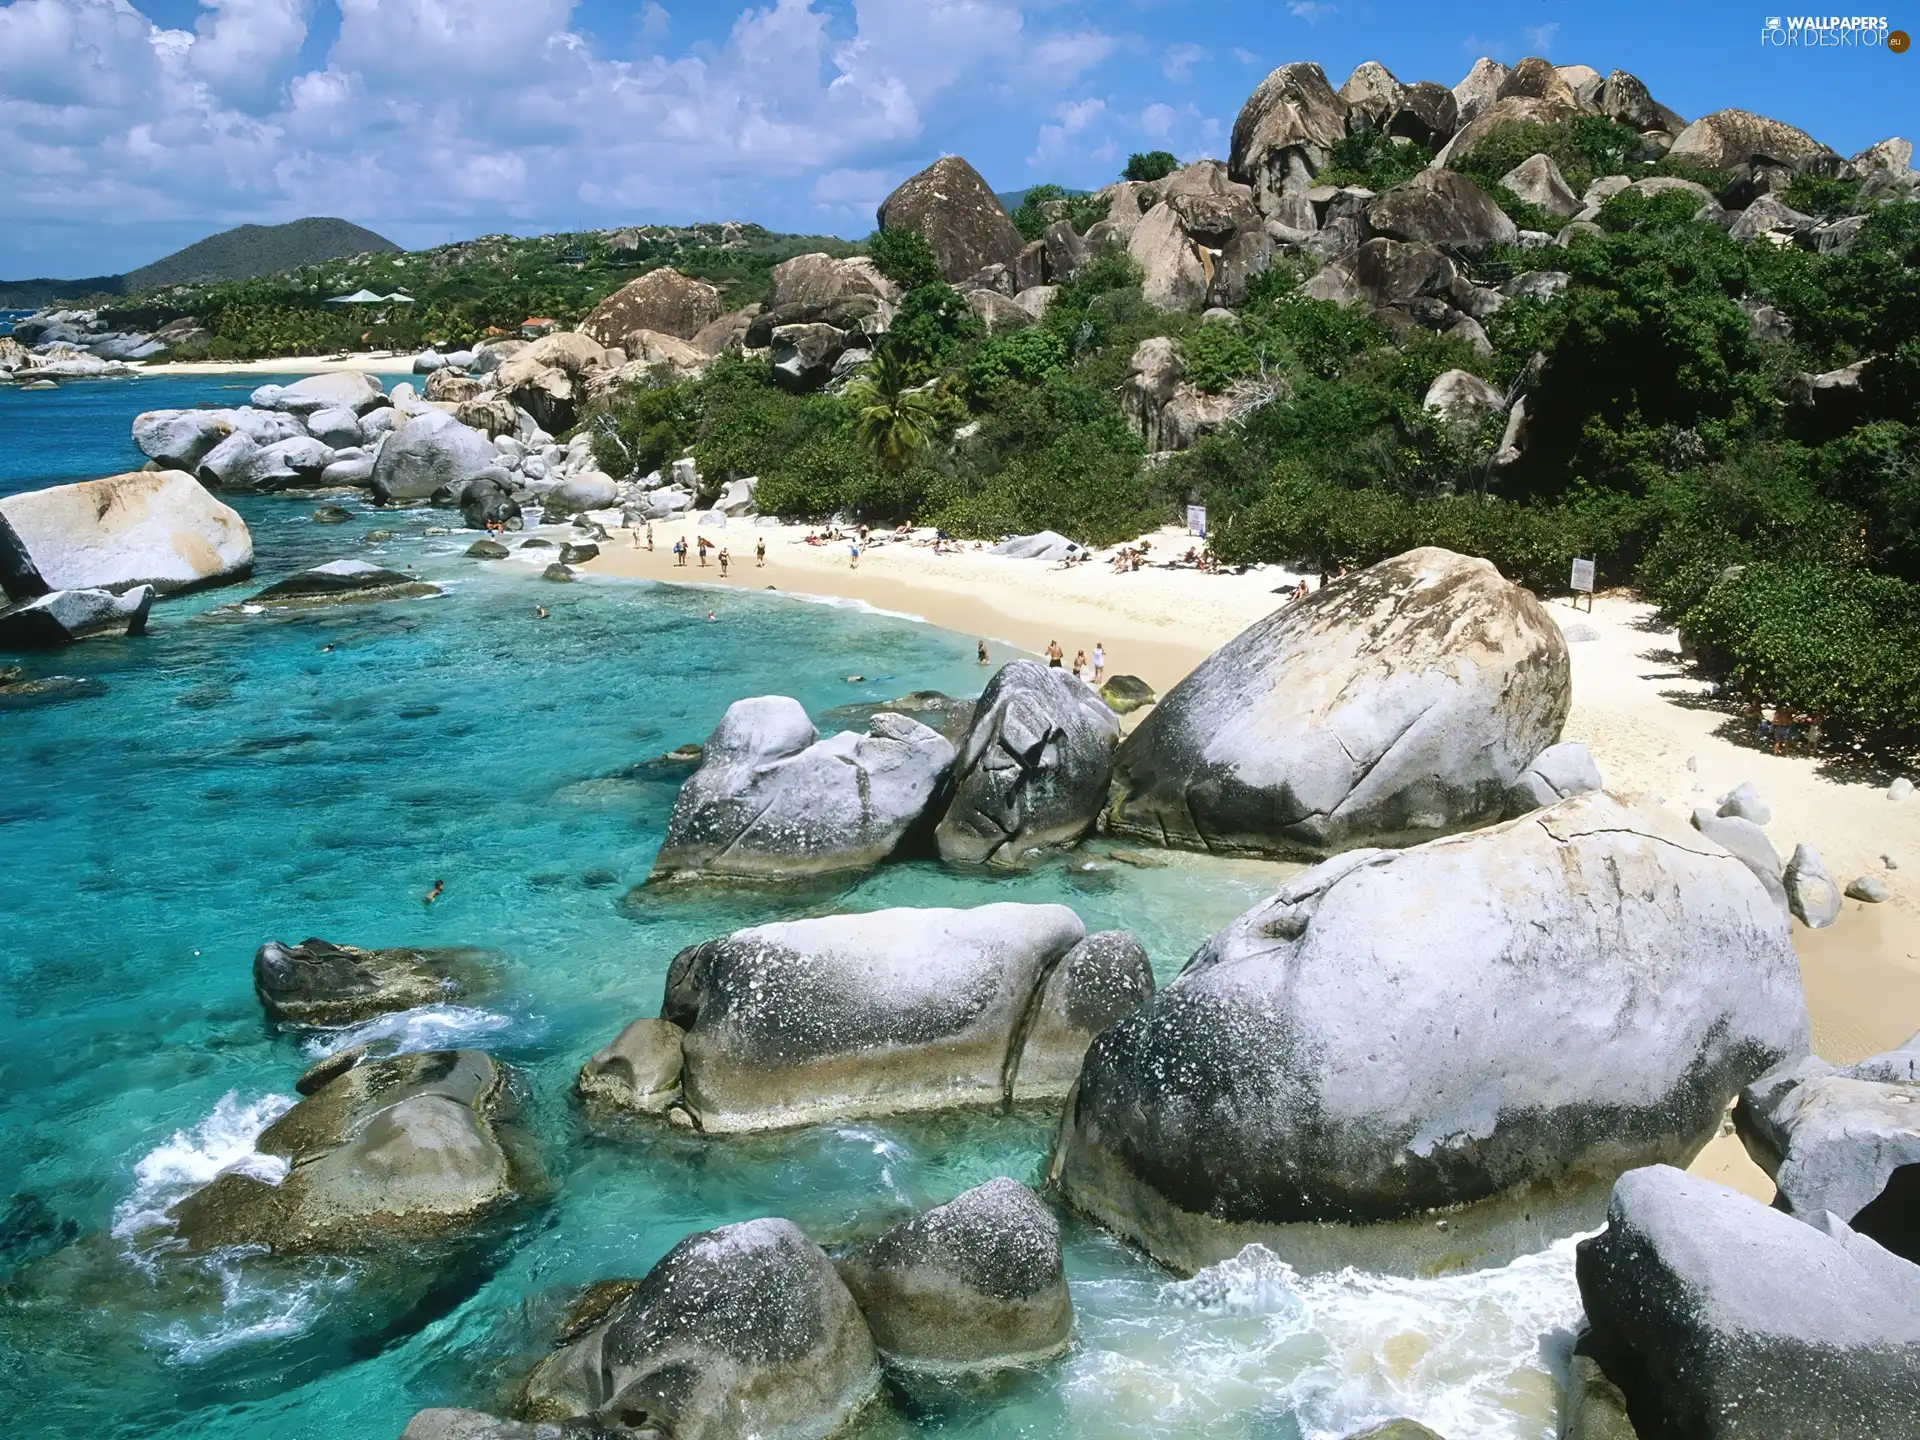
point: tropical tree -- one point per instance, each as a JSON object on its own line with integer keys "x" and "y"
{"x": 894, "y": 418}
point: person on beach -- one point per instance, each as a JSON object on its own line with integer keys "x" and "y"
{"x": 1055, "y": 655}
{"x": 723, "y": 562}
{"x": 439, "y": 887}
{"x": 1080, "y": 665}
{"x": 853, "y": 551}
{"x": 1099, "y": 661}
{"x": 634, "y": 536}
{"x": 703, "y": 545}
{"x": 760, "y": 553}
{"x": 983, "y": 652}
{"x": 680, "y": 552}
{"x": 649, "y": 535}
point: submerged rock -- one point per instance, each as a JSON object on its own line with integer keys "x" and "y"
{"x": 974, "y": 1284}
{"x": 889, "y": 1011}
{"x": 1608, "y": 980}
{"x": 1033, "y": 771}
{"x": 342, "y": 582}
{"x": 772, "y": 800}
{"x": 741, "y": 1331}
{"x": 1399, "y": 704}
{"x": 639, "y": 1071}
{"x": 64, "y": 616}
{"x": 147, "y": 527}
{"x": 319, "y": 983}
{"x": 19, "y": 693}
{"x": 388, "y": 1155}
{"x": 1720, "y": 1319}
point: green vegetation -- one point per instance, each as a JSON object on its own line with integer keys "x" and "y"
{"x": 1585, "y": 148}
{"x": 1373, "y": 160}
{"x": 1044, "y": 204}
{"x": 1153, "y": 165}
{"x": 461, "y": 293}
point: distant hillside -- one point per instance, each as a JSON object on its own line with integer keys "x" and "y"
{"x": 250, "y": 250}
{"x": 242, "y": 253}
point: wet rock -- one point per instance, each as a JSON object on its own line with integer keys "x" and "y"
{"x": 639, "y": 1070}
{"x": 1252, "y": 1099}
{"x": 1720, "y": 1318}
{"x": 742, "y": 1331}
{"x": 772, "y": 800}
{"x": 391, "y": 1154}
{"x": 332, "y": 515}
{"x": 1033, "y": 771}
{"x": 1396, "y": 1430}
{"x": 1102, "y": 978}
{"x": 342, "y": 582}
{"x": 62, "y": 617}
{"x": 808, "y": 1020}
{"x": 20, "y": 693}
{"x": 557, "y": 573}
{"x": 446, "y": 1424}
{"x": 975, "y": 1284}
{"x": 1125, "y": 694}
{"x": 1401, "y": 703}
{"x": 319, "y": 983}
{"x": 147, "y": 527}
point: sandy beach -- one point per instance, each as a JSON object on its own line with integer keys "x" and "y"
{"x": 369, "y": 362}
{"x": 1657, "y": 733}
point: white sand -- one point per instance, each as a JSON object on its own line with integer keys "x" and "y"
{"x": 372, "y": 361}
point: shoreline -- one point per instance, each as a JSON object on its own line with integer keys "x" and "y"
{"x": 362, "y": 362}
{"x": 1652, "y": 726}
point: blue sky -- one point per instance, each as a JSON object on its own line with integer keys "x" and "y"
{"x": 130, "y": 127}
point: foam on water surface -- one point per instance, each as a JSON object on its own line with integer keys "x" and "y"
{"x": 253, "y": 776}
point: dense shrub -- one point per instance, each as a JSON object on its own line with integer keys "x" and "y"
{"x": 1373, "y": 160}
{"x": 905, "y": 257}
{"x": 1153, "y": 165}
{"x": 1585, "y": 148}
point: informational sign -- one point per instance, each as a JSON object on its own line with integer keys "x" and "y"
{"x": 1583, "y": 576}
{"x": 1197, "y": 520}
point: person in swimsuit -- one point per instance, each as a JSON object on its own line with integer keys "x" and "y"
{"x": 1055, "y": 655}
{"x": 983, "y": 652}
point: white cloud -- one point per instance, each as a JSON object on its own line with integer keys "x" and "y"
{"x": 1055, "y": 143}
{"x": 1158, "y": 121}
{"x": 427, "y": 112}
{"x": 1177, "y": 64}
{"x": 1540, "y": 37}
{"x": 1245, "y": 57}
{"x": 1311, "y": 11}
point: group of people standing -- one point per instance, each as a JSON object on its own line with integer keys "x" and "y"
{"x": 722, "y": 555}
{"x": 1088, "y": 668}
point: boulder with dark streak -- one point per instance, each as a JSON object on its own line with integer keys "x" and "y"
{"x": 319, "y": 983}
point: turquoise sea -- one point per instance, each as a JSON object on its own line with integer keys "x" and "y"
{"x": 245, "y": 777}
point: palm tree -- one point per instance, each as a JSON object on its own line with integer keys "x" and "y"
{"x": 895, "y": 418}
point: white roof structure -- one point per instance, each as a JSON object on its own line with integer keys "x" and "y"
{"x": 359, "y": 297}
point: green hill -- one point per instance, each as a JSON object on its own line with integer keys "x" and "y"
{"x": 250, "y": 250}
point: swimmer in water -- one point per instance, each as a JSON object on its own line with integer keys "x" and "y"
{"x": 540, "y": 612}
{"x": 434, "y": 894}
{"x": 712, "y": 616}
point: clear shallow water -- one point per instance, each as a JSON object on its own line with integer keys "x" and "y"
{"x": 238, "y": 781}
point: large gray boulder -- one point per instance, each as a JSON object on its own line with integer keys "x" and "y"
{"x": 1510, "y": 1017}
{"x": 975, "y": 1284}
{"x": 1812, "y": 894}
{"x": 552, "y": 377}
{"x": 358, "y": 393}
{"x": 1441, "y": 207}
{"x": 430, "y": 450}
{"x": 147, "y": 527}
{"x": 956, "y": 210}
{"x": 891, "y": 1011}
{"x": 179, "y": 439}
{"x": 741, "y": 1331}
{"x": 284, "y": 465}
{"x": 1463, "y": 398}
{"x": 1175, "y": 272}
{"x": 1843, "y": 1139}
{"x": 1103, "y": 977}
{"x": 319, "y": 983}
{"x": 1538, "y": 181}
{"x": 1479, "y": 88}
{"x": 61, "y": 617}
{"x": 443, "y": 1423}
{"x": 384, "y": 1157}
{"x": 772, "y": 800}
{"x": 1033, "y": 771}
{"x": 1727, "y": 138}
{"x": 1398, "y": 704}
{"x": 342, "y": 582}
{"x": 1748, "y": 843}
{"x": 588, "y": 490}
{"x": 1285, "y": 133}
{"x": 663, "y": 301}
{"x": 1721, "y": 1319}
{"x": 1557, "y": 772}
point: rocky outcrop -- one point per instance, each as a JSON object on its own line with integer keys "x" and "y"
{"x": 1843, "y": 1139}
{"x": 891, "y": 1011}
{"x": 1284, "y": 134}
{"x": 1463, "y": 398}
{"x": 147, "y": 527}
{"x": 975, "y": 1284}
{"x": 1607, "y": 982}
{"x": 1164, "y": 408}
{"x": 1105, "y": 976}
{"x": 341, "y": 388}
{"x": 1175, "y": 271}
{"x": 430, "y": 451}
{"x": 638, "y": 1071}
{"x": 1813, "y": 896}
{"x": 1538, "y": 181}
{"x": 60, "y": 617}
{"x": 386, "y": 1156}
{"x": 741, "y": 1331}
{"x": 955, "y": 209}
{"x": 319, "y": 983}
{"x": 1399, "y": 704}
{"x": 180, "y": 439}
{"x": 772, "y": 800}
{"x": 661, "y": 300}
{"x": 1479, "y": 88}
{"x": 1720, "y": 1319}
{"x": 444, "y": 1423}
{"x": 1032, "y": 774}
{"x": 1444, "y": 208}
{"x": 550, "y": 379}
{"x": 342, "y": 582}
{"x": 1727, "y": 138}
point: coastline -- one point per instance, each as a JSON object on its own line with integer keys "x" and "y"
{"x": 364, "y": 362}
{"x": 1658, "y": 736}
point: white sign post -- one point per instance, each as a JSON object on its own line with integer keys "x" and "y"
{"x": 1583, "y": 582}
{"x": 1197, "y": 520}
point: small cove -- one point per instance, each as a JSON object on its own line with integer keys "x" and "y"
{"x": 247, "y": 777}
